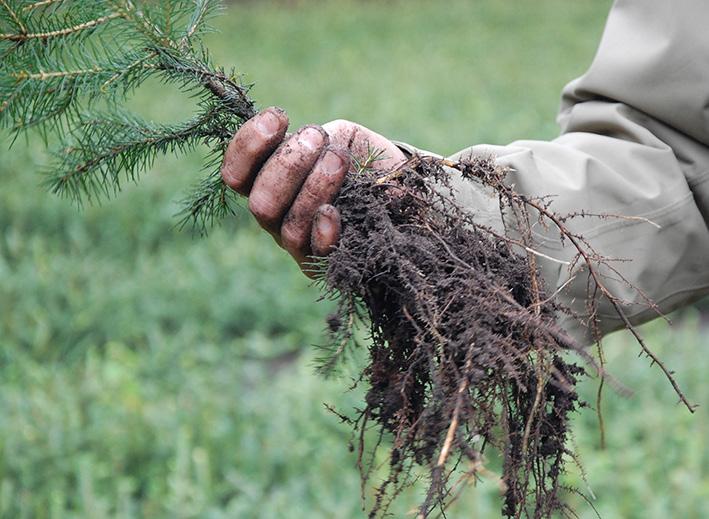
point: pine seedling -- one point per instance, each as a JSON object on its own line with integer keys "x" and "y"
{"x": 68, "y": 68}
{"x": 465, "y": 350}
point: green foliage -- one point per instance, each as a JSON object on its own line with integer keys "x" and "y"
{"x": 64, "y": 60}
{"x": 144, "y": 374}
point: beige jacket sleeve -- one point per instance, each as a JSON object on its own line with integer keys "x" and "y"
{"x": 634, "y": 142}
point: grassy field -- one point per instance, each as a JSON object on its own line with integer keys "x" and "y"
{"x": 148, "y": 373}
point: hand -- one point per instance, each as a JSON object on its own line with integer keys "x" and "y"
{"x": 291, "y": 180}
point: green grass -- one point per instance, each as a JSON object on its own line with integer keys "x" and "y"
{"x": 130, "y": 384}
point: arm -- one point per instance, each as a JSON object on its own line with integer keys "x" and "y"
{"x": 635, "y": 142}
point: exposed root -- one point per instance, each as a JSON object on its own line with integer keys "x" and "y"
{"x": 465, "y": 351}
{"x": 463, "y": 339}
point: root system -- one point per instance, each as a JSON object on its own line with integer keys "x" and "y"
{"x": 465, "y": 353}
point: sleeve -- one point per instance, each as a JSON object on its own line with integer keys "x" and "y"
{"x": 635, "y": 143}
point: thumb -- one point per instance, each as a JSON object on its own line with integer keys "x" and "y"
{"x": 360, "y": 141}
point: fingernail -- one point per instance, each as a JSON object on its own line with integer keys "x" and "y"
{"x": 331, "y": 162}
{"x": 325, "y": 225}
{"x": 310, "y": 138}
{"x": 326, "y": 229}
{"x": 267, "y": 123}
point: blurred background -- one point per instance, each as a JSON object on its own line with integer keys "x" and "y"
{"x": 145, "y": 372}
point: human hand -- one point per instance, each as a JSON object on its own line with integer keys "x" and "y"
{"x": 291, "y": 180}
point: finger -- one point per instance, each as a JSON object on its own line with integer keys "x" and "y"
{"x": 279, "y": 180}
{"x": 255, "y": 141}
{"x": 320, "y": 187}
{"x": 326, "y": 230}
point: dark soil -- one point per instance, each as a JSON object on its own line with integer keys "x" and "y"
{"x": 465, "y": 354}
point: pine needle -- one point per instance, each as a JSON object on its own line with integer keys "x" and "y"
{"x": 68, "y": 69}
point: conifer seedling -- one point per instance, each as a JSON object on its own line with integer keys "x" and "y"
{"x": 465, "y": 352}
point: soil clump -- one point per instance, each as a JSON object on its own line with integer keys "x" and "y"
{"x": 465, "y": 353}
